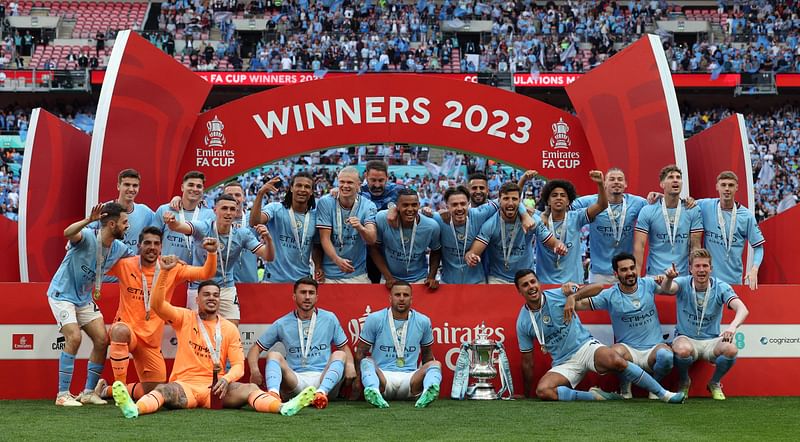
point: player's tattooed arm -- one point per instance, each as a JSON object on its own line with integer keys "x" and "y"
{"x": 427, "y": 354}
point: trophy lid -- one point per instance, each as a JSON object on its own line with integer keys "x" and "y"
{"x": 482, "y": 336}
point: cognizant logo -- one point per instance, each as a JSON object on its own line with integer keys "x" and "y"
{"x": 779, "y": 341}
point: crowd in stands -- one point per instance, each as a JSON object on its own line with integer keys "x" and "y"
{"x": 10, "y": 163}
{"x": 525, "y": 36}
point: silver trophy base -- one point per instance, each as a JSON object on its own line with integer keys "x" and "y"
{"x": 481, "y": 391}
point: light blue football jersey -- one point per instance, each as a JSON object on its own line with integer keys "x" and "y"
{"x": 377, "y": 334}
{"x": 552, "y": 269}
{"x": 728, "y": 264}
{"x": 174, "y": 243}
{"x": 662, "y": 253}
{"x": 74, "y": 279}
{"x": 407, "y": 261}
{"x": 247, "y": 267}
{"x": 634, "y": 316}
{"x": 561, "y": 340}
{"x": 521, "y": 249}
{"x": 603, "y": 245}
{"x": 692, "y": 321}
{"x": 454, "y": 268}
{"x": 350, "y": 246}
{"x": 327, "y": 332}
{"x": 291, "y": 262}
{"x": 232, "y": 246}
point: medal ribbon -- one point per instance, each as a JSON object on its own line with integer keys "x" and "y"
{"x": 98, "y": 267}
{"x": 182, "y": 218}
{"x": 672, "y": 228}
{"x": 228, "y": 247}
{"x": 539, "y": 334}
{"x": 508, "y": 248}
{"x": 297, "y": 239}
{"x": 727, "y": 237}
{"x": 217, "y": 339}
{"x": 305, "y": 343}
{"x": 399, "y": 343}
{"x": 459, "y": 251}
{"x": 697, "y": 306}
{"x": 407, "y": 255}
{"x": 616, "y": 230}
{"x": 340, "y": 224}
{"x": 145, "y": 288}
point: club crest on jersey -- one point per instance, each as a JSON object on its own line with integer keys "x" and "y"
{"x": 546, "y": 319}
{"x": 636, "y": 303}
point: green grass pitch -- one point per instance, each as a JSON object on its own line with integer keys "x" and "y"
{"x": 736, "y": 419}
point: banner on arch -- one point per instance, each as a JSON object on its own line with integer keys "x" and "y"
{"x": 393, "y": 108}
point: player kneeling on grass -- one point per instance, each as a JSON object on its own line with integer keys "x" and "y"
{"x": 575, "y": 352}
{"x": 307, "y": 333}
{"x": 397, "y": 336}
{"x": 206, "y": 342}
{"x": 700, "y": 299}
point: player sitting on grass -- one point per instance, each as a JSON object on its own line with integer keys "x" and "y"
{"x": 397, "y": 336}
{"x": 308, "y": 333}
{"x": 206, "y": 342}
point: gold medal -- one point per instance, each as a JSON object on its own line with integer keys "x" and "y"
{"x": 543, "y": 348}
{"x": 401, "y": 362}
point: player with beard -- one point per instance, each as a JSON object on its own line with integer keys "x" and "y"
{"x": 399, "y": 253}
{"x": 75, "y": 287}
{"x": 206, "y": 344}
{"x": 565, "y": 224}
{"x": 309, "y": 367}
{"x": 478, "y": 187}
{"x": 293, "y": 222}
{"x": 383, "y": 194}
{"x": 545, "y": 319}
{"x": 136, "y": 330}
{"x": 190, "y": 209}
{"x": 458, "y": 227}
{"x": 233, "y": 242}
{"x": 397, "y": 337}
{"x": 700, "y": 299}
{"x": 669, "y": 228}
{"x": 611, "y": 231}
{"x": 508, "y": 250}
{"x": 346, "y": 225}
{"x": 631, "y": 305}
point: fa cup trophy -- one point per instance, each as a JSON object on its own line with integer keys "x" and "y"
{"x": 476, "y": 360}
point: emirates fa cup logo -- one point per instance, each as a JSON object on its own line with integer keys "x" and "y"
{"x": 560, "y": 139}
{"x": 356, "y": 324}
{"x": 215, "y": 138}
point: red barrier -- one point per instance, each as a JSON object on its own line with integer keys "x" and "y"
{"x": 769, "y": 341}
